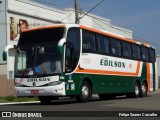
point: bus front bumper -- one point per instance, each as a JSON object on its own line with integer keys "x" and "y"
{"x": 56, "y": 90}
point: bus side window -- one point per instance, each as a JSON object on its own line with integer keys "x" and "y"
{"x": 126, "y": 49}
{"x": 145, "y": 54}
{"x": 152, "y": 55}
{"x": 136, "y": 51}
{"x": 89, "y": 41}
{"x": 103, "y": 44}
{"x": 115, "y": 47}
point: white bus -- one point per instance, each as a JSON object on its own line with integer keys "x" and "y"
{"x": 75, "y": 60}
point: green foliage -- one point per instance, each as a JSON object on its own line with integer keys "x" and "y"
{"x": 15, "y": 99}
{"x": 10, "y": 98}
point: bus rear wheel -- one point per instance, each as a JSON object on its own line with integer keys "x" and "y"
{"x": 144, "y": 89}
{"x": 85, "y": 93}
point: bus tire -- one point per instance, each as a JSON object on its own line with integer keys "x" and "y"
{"x": 144, "y": 89}
{"x": 136, "y": 92}
{"x": 85, "y": 93}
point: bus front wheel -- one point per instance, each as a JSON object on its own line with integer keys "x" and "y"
{"x": 85, "y": 93}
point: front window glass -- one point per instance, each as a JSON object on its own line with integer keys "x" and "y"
{"x": 37, "y": 53}
{"x": 38, "y": 60}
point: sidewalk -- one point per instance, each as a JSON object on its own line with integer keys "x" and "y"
{"x": 154, "y": 92}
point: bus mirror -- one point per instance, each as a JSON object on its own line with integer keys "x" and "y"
{"x": 5, "y": 51}
{"x": 60, "y": 46}
{"x": 4, "y": 55}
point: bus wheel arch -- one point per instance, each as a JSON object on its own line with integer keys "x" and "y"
{"x": 136, "y": 90}
{"x": 86, "y": 87}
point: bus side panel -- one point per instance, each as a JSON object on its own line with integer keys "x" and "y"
{"x": 111, "y": 83}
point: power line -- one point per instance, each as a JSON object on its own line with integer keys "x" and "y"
{"x": 92, "y": 9}
{"x": 67, "y": 16}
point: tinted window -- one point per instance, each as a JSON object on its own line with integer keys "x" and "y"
{"x": 152, "y": 55}
{"x": 103, "y": 44}
{"x": 126, "y": 49}
{"x": 89, "y": 43}
{"x": 115, "y": 47}
{"x": 145, "y": 53}
{"x": 41, "y": 36}
{"x": 136, "y": 52}
{"x": 72, "y": 49}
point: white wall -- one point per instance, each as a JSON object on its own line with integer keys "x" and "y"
{"x": 158, "y": 69}
{"x": 32, "y": 14}
{"x": 3, "y": 30}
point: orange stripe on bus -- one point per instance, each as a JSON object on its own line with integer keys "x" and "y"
{"x": 43, "y": 27}
{"x": 108, "y": 34}
{"x": 79, "y": 70}
{"x": 148, "y": 76}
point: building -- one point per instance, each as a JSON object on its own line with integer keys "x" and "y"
{"x": 158, "y": 70}
{"x": 17, "y": 15}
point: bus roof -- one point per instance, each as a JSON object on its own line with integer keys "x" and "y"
{"x": 44, "y": 27}
{"x": 92, "y": 30}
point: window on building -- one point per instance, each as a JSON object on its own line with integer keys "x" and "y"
{"x": 115, "y": 47}
{"x": 126, "y": 50}
{"x": 103, "y": 44}
{"x": 89, "y": 41}
{"x": 145, "y": 54}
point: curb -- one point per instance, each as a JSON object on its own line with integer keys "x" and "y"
{"x": 12, "y": 103}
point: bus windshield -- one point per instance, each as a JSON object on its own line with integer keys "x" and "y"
{"x": 37, "y": 53}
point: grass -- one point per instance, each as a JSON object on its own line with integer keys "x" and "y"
{"x": 15, "y": 99}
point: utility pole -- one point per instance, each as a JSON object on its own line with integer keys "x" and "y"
{"x": 76, "y": 12}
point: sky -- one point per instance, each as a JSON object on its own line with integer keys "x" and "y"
{"x": 140, "y": 16}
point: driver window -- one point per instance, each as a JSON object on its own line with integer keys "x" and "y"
{"x": 68, "y": 60}
{"x": 72, "y": 49}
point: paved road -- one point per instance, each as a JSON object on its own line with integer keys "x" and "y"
{"x": 150, "y": 103}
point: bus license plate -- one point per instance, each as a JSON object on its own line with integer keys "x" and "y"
{"x": 34, "y": 91}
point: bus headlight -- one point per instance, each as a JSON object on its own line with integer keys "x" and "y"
{"x": 55, "y": 83}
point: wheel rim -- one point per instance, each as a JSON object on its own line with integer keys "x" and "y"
{"x": 144, "y": 89}
{"x": 136, "y": 90}
{"x": 85, "y": 91}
